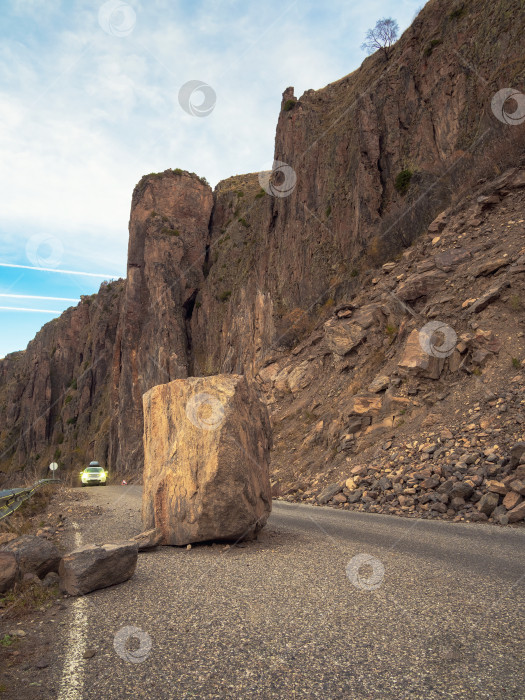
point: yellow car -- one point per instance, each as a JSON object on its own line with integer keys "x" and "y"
{"x": 94, "y": 474}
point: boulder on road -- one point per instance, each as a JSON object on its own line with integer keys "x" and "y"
{"x": 206, "y": 460}
{"x": 97, "y": 566}
{"x": 34, "y": 555}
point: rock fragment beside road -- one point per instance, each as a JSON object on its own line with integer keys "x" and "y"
{"x": 97, "y": 566}
{"x": 25, "y": 555}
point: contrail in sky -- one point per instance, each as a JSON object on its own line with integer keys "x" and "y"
{"x": 34, "y": 311}
{"x": 62, "y": 272}
{"x": 30, "y": 296}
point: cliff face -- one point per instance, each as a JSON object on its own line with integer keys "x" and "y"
{"x": 230, "y": 281}
{"x": 54, "y": 396}
{"x": 426, "y": 113}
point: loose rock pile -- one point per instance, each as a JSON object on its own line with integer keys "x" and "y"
{"x": 35, "y": 559}
{"x": 369, "y": 413}
{"x": 431, "y": 479}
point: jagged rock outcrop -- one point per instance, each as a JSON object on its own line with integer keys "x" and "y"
{"x": 168, "y": 239}
{"x": 239, "y": 280}
{"x": 425, "y": 417}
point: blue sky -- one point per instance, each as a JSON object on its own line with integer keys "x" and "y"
{"x": 89, "y": 103}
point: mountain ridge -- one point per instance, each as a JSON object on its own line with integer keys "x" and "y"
{"x": 233, "y": 280}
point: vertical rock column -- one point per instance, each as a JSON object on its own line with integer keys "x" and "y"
{"x": 170, "y": 214}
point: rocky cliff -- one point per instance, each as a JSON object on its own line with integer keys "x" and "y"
{"x": 375, "y": 157}
{"x": 242, "y": 278}
{"x": 168, "y": 240}
{"x": 55, "y": 396}
{"x": 407, "y": 398}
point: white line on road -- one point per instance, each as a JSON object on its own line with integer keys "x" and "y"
{"x": 72, "y": 682}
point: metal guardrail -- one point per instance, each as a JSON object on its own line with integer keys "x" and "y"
{"x": 11, "y": 499}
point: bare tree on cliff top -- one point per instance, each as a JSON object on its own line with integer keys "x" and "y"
{"x": 381, "y": 37}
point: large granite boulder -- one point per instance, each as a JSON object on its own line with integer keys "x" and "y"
{"x": 97, "y": 566}
{"x": 206, "y": 461}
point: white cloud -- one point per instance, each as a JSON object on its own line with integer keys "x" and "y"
{"x": 85, "y": 114}
{"x": 35, "y": 7}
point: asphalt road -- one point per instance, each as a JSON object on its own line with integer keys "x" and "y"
{"x": 437, "y": 612}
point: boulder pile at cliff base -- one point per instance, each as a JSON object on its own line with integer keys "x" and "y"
{"x": 474, "y": 486}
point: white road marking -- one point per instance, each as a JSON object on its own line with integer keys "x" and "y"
{"x": 72, "y": 681}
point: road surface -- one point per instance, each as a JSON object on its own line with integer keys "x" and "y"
{"x": 437, "y": 612}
